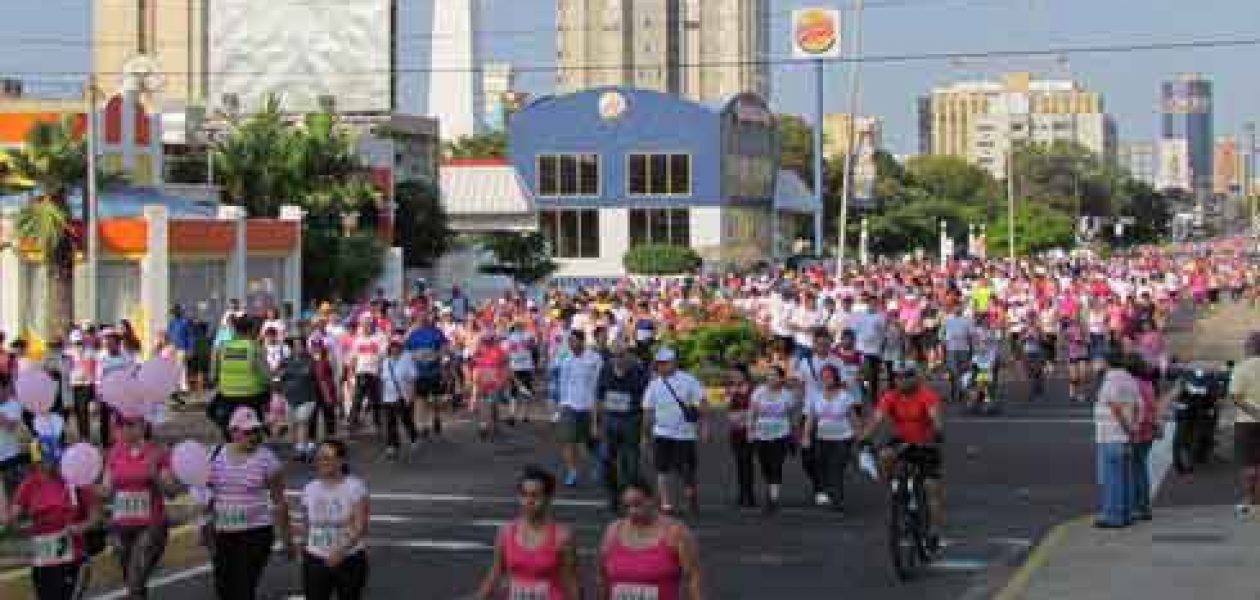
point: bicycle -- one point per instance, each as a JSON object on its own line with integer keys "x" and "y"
{"x": 909, "y": 519}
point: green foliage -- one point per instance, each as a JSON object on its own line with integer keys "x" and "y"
{"x": 46, "y": 223}
{"x": 1038, "y": 228}
{"x": 525, "y": 257}
{"x": 709, "y": 350}
{"x": 421, "y": 226}
{"x": 661, "y": 259}
{"x": 796, "y": 146}
{"x": 483, "y": 145}
{"x": 915, "y": 223}
{"x": 339, "y": 266}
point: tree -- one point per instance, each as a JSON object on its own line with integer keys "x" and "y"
{"x": 796, "y": 146}
{"x": 954, "y": 179}
{"x": 54, "y": 162}
{"x": 915, "y": 223}
{"x": 1069, "y": 177}
{"x": 421, "y": 227}
{"x": 525, "y": 257}
{"x": 483, "y": 145}
{"x": 257, "y": 163}
{"x": 1038, "y": 228}
{"x": 342, "y": 264}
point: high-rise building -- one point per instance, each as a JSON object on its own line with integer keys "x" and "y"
{"x": 1139, "y": 160}
{"x": 455, "y": 92}
{"x": 704, "y": 50}
{"x": 838, "y": 131}
{"x": 982, "y": 120}
{"x": 1228, "y": 170}
{"x": 498, "y": 80}
{"x": 1187, "y": 123}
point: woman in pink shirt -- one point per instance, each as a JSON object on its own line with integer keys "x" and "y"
{"x": 137, "y": 477}
{"x": 534, "y": 557}
{"x": 59, "y": 517}
{"x": 646, "y": 555}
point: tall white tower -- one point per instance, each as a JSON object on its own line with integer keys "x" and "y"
{"x": 455, "y": 79}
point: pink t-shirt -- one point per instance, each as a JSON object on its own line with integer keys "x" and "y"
{"x": 241, "y": 499}
{"x": 136, "y": 501}
{"x": 52, "y": 511}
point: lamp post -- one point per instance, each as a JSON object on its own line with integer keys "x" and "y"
{"x": 864, "y": 243}
{"x": 90, "y": 201}
{"x": 855, "y": 100}
{"x": 1010, "y": 202}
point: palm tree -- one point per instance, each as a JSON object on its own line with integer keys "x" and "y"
{"x": 53, "y": 162}
{"x": 254, "y": 163}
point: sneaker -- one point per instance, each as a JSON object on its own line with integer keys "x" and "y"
{"x": 571, "y": 479}
{"x": 821, "y": 499}
{"x": 1243, "y": 511}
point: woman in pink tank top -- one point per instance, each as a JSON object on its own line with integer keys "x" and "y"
{"x": 646, "y": 556}
{"x": 535, "y": 558}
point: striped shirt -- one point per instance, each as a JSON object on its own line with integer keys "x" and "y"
{"x": 241, "y": 498}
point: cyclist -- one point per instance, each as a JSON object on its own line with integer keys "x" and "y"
{"x": 914, "y": 412}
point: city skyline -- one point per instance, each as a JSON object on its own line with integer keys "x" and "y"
{"x": 523, "y": 33}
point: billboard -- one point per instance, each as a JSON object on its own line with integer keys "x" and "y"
{"x": 306, "y": 53}
{"x": 1174, "y": 165}
{"x": 815, "y": 33}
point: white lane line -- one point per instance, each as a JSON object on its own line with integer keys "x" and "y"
{"x": 438, "y": 545}
{"x": 1020, "y": 421}
{"x": 959, "y": 564}
{"x": 398, "y": 519}
{"x": 162, "y": 581}
{"x": 1161, "y": 458}
{"x": 462, "y": 498}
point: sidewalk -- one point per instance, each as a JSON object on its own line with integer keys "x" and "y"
{"x": 1193, "y": 551}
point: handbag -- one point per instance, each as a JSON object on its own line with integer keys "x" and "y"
{"x": 691, "y": 414}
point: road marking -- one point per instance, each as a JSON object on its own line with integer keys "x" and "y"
{"x": 162, "y": 581}
{"x": 1161, "y": 459}
{"x": 1017, "y": 585}
{"x": 426, "y": 544}
{"x": 463, "y": 498}
{"x": 959, "y": 564}
{"x": 397, "y": 519}
{"x": 1021, "y": 421}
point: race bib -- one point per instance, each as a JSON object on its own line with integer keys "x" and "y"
{"x": 833, "y": 429}
{"x": 644, "y": 335}
{"x": 229, "y": 517}
{"x": 323, "y": 538}
{"x": 529, "y": 590}
{"x": 629, "y": 591}
{"x": 771, "y": 429}
{"x": 53, "y": 549}
{"x": 617, "y": 401}
{"x": 425, "y": 355}
{"x": 132, "y": 505}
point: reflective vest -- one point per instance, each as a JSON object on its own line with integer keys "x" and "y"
{"x": 238, "y": 372}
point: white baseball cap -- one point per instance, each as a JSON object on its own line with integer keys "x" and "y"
{"x": 666, "y": 354}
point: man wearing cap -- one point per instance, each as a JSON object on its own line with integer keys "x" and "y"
{"x": 674, "y": 405}
{"x": 576, "y": 383}
{"x": 619, "y": 415}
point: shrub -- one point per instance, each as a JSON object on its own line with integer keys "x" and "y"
{"x": 661, "y": 259}
{"x": 713, "y": 348}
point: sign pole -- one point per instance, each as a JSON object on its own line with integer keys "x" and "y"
{"x": 818, "y": 156}
{"x": 89, "y": 197}
{"x": 855, "y": 98}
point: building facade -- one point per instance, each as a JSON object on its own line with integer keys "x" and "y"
{"x": 498, "y": 83}
{"x": 455, "y": 89}
{"x": 612, "y": 168}
{"x": 704, "y": 50}
{"x": 1228, "y": 170}
{"x": 838, "y": 133}
{"x": 1139, "y": 160}
{"x": 1187, "y": 122}
{"x": 953, "y": 118}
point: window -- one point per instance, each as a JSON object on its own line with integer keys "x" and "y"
{"x": 659, "y": 175}
{"x": 571, "y": 233}
{"x": 568, "y": 175}
{"x": 660, "y": 226}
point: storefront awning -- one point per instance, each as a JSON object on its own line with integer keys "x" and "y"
{"x": 792, "y": 195}
{"x": 486, "y": 195}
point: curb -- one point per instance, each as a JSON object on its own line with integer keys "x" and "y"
{"x": 183, "y": 549}
{"x": 1017, "y": 586}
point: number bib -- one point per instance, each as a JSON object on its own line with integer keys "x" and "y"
{"x": 630, "y": 591}
{"x": 229, "y": 517}
{"x": 53, "y": 549}
{"x": 617, "y": 401}
{"x": 132, "y": 505}
{"x": 322, "y": 538}
{"x": 834, "y": 429}
{"x": 772, "y": 428}
{"x": 529, "y": 590}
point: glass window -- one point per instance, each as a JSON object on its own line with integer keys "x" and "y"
{"x": 658, "y": 173}
{"x": 638, "y": 228}
{"x": 588, "y": 175}
{"x": 547, "y": 176}
{"x": 588, "y": 242}
{"x": 568, "y": 175}
{"x": 680, "y": 227}
{"x": 638, "y": 174}
{"x": 679, "y": 174}
{"x": 550, "y": 229}
{"x": 568, "y": 233}
{"x": 660, "y": 226}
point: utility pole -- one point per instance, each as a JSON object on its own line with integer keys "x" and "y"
{"x": 855, "y": 101}
{"x": 1249, "y": 179}
{"x": 1010, "y": 202}
{"x": 90, "y": 201}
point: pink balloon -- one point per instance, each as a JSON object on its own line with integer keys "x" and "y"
{"x": 118, "y": 389}
{"x": 190, "y": 462}
{"x": 35, "y": 390}
{"x": 81, "y": 464}
{"x": 158, "y": 378}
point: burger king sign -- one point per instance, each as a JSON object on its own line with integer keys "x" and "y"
{"x": 815, "y": 33}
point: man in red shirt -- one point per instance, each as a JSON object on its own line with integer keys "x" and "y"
{"x": 914, "y": 412}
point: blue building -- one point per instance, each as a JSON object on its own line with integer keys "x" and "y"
{"x": 1187, "y": 116}
{"x": 611, "y": 168}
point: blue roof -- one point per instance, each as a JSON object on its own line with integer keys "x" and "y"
{"x": 130, "y": 202}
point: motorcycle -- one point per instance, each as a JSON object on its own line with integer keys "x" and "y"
{"x": 978, "y": 385}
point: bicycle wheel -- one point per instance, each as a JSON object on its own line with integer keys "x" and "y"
{"x": 922, "y": 520}
{"x": 903, "y": 544}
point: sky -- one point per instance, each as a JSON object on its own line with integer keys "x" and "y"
{"x": 47, "y": 43}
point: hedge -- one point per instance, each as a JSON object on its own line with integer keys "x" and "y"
{"x": 661, "y": 259}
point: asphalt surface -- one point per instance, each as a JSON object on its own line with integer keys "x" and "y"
{"x": 1009, "y": 478}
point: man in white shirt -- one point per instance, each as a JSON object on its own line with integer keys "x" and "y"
{"x": 674, "y": 406}
{"x": 958, "y": 336}
{"x": 398, "y": 381}
{"x": 804, "y": 318}
{"x": 576, "y": 384}
{"x": 1115, "y": 422}
{"x": 869, "y": 327}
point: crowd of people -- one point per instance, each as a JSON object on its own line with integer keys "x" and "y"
{"x": 851, "y": 359}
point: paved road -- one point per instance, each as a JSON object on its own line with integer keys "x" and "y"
{"x": 1009, "y": 478}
